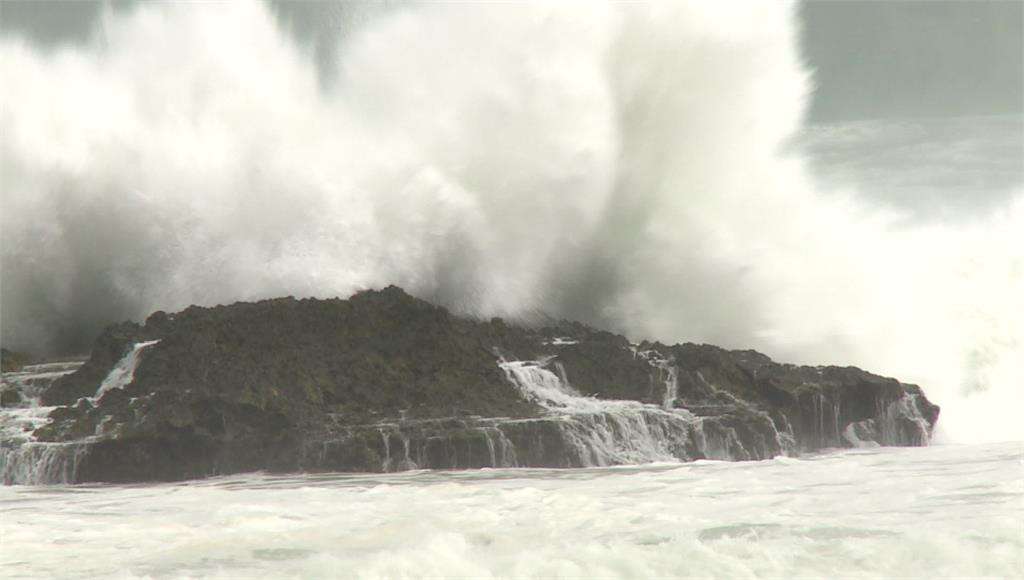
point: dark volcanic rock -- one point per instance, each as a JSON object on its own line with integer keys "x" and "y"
{"x": 816, "y": 403}
{"x": 383, "y": 381}
{"x": 11, "y": 361}
{"x": 9, "y": 396}
{"x": 109, "y": 348}
{"x": 606, "y": 365}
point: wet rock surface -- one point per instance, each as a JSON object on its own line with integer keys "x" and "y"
{"x": 12, "y": 361}
{"x": 383, "y": 381}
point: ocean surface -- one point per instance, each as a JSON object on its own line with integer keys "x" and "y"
{"x": 949, "y": 511}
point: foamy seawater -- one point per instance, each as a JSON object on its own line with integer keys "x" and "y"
{"x": 944, "y": 511}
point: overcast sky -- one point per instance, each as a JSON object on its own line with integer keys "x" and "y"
{"x": 914, "y": 58}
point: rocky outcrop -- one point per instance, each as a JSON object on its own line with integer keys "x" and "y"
{"x": 383, "y": 381}
{"x": 11, "y": 361}
{"x": 107, "y": 350}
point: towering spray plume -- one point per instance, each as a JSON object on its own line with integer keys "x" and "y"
{"x": 627, "y": 165}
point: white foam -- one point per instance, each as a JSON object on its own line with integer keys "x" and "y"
{"x": 949, "y": 511}
{"x": 610, "y": 432}
{"x": 124, "y": 371}
{"x": 23, "y": 460}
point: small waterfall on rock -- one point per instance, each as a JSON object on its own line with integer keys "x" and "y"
{"x": 780, "y": 426}
{"x": 23, "y": 460}
{"x": 668, "y": 373}
{"x": 406, "y": 448}
{"x": 899, "y": 422}
{"x": 39, "y": 463}
{"x": 673, "y": 411}
{"x": 827, "y": 426}
{"x": 446, "y": 443}
{"x": 671, "y": 385}
{"x": 124, "y": 371}
{"x": 907, "y": 410}
{"x": 606, "y": 432}
{"x": 572, "y": 431}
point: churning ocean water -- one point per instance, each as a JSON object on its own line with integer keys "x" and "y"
{"x": 629, "y": 165}
{"x": 949, "y": 511}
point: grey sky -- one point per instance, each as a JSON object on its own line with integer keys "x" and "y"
{"x": 915, "y": 58}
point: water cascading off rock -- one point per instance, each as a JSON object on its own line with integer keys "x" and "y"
{"x": 386, "y": 382}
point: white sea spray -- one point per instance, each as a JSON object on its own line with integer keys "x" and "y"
{"x": 629, "y": 165}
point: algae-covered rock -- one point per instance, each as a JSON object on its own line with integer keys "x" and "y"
{"x": 109, "y": 348}
{"x": 9, "y": 396}
{"x": 12, "y": 361}
{"x": 384, "y": 381}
